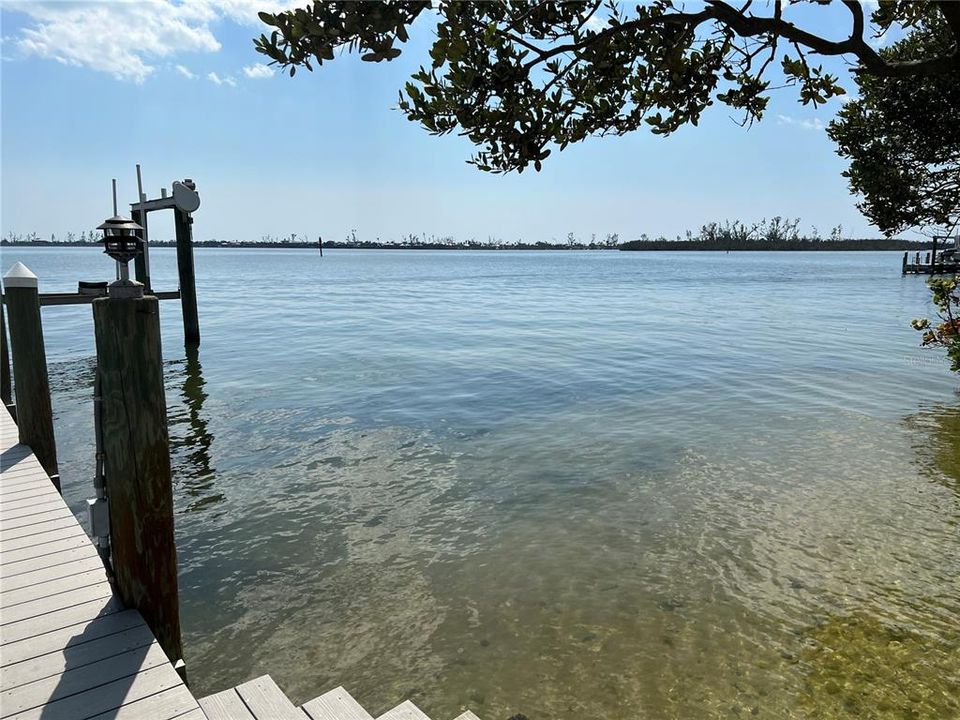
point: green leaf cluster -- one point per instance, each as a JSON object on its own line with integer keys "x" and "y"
{"x": 945, "y": 332}
{"x": 521, "y": 78}
{"x": 902, "y": 136}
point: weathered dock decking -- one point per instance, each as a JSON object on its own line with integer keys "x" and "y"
{"x": 68, "y": 648}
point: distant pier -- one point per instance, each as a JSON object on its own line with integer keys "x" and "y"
{"x": 929, "y": 264}
{"x": 946, "y": 262}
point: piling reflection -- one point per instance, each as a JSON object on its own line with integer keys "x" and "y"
{"x": 190, "y": 437}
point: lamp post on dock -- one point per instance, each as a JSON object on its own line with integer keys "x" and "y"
{"x": 120, "y": 242}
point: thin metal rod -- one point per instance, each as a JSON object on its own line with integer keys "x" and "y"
{"x": 114, "y": 197}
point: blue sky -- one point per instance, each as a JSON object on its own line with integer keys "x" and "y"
{"x": 89, "y": 89}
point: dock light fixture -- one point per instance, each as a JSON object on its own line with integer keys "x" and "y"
{"x": 121, "y": 242}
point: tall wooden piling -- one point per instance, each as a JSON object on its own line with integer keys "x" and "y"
{"x": 34, "y": 409}
{"x": 6, "y": 388}
{"x": 188, "y": 279}
{"x": 136, "y": 449}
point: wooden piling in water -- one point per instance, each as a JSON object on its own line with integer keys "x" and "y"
{"x": 188, "y": 278}
{"x": 136, "y": 451}
{"x": 6, "y": 386}
{"x": 34, "y": 409}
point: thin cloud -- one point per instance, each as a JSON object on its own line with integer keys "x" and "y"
{"x": 805, "y": 123}
{"x": 258, "y": 71}
{"x": 217, "y": 80}
{"x": 85, "y": 34}
{"x": 185, "y": 71}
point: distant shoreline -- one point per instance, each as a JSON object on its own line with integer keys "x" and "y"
{"x": 634, "y": 245}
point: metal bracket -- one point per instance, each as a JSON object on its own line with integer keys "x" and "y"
{"x": 98, "y": 515}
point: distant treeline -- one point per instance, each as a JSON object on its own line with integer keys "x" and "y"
{"x": 760, "y": 244}
{"x": 776, "y": 233}
{"x": 297, "y": 241}
{"x": 334, "y": 244}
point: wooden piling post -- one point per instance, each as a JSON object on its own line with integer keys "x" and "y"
{"x": 136, "y": 449}
{"x": 188, "y": 279}
{"x": 903, "y": 266}
{"x": 6, "y": 387}
{"x": 34, "y": 410}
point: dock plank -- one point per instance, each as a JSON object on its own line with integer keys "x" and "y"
{"x": 21, "y": 492}
{"x": 49, "y": 572}
{"x": 266, "y": 701}
{"x": 48, "y": 690}
{"x": 42, "y": 606}
{"x": 336, "y": 704}
{"x": 36, "y": 518}
{"x": 49, "y": 560}
{"x": 49, "y": 535}
{"x": 225, "y": 705}
{"x": 59, "y": 520}
{"x": 405, "y": 711}
{"x": 176, "y": 703}
{"x": 38, "y": 591}
{"x": 105, "y": 698}
{"x": 46, "y": 506}
{"x": 60, "y": 640}
{"x": 14, "y": 558}
{"x": 14, "y": 634}
{"x": 75, "y": 655}
{"x": 17, "y": 503}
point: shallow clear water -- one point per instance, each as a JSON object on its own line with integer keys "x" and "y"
{"x": 567, "y": 485}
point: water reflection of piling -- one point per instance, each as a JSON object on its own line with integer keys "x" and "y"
{"x": 196, "y": 473}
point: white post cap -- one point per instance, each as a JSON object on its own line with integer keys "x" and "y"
{"x": 19, "y": 276}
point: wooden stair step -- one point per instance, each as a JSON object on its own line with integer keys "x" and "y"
{"x": 337, "y": 704}
{"x": 225, "y": 705}
{"x": 257, "y": 699}
{"x": 266, "y": 701}
{"x": 405, "y": 711}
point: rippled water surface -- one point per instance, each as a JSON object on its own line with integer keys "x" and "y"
{"x": 568, "y": 485}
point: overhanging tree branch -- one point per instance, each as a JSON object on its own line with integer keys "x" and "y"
{"x": 517, "y": 77}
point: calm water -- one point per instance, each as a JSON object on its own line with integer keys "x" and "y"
{"x": 569, "y": 485}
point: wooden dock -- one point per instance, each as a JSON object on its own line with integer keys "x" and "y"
{"x": 938, "y": 268}
{"x": 68, "y": 648}
{"x": 931, "y": 263}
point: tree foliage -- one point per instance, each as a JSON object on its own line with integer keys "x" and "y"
{"x": 522, "y": 78}
{"x": 945, "y": 331}
{"x": 902, "y": 137}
